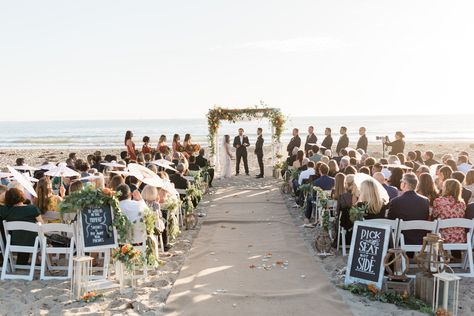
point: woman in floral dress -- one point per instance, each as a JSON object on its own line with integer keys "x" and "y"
{"x": 450, "y": 205}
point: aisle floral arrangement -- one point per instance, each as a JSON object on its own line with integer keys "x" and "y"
{"x": 129, "y": 256}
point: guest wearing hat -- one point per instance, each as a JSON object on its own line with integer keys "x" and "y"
{"x": 398, "y": 145}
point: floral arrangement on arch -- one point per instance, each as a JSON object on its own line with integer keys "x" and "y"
{"x": 218, "y": 114}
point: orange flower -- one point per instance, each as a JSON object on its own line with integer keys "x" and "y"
{"x": 124, "y": 249}
{"x": 372, "y": 288}
{"x": 107, "y": 191}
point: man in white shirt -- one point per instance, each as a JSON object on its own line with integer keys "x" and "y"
{"x": 134, "y": 210}
{"x": 305, "y": 174}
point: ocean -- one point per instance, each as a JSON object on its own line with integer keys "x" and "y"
{"x": 110, "y": 133}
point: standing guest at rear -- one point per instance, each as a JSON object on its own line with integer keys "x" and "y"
{"x": 294, "y": 142}
{"x": 362, "y": 143}
{"x": 398, "y": 145}
{"x": 327, "y": 141}
{"x": 450, "y": 205}
{"x": 311, "y": 139}
{"x": 130, "y": 146}
{"x": 343, "y": 140}
{"x": 410, "y": 206}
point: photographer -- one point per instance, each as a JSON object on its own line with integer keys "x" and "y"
{"x": 398, "y": 145}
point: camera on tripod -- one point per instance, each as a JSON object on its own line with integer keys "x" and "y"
{"x": 384, "y": 138}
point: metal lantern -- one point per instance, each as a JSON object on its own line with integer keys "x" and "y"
{"x": 398, "y": 259}
{"x": 445, "y": 294}
{"x": 432, "y": 257}
{"x": 81, "y": 276}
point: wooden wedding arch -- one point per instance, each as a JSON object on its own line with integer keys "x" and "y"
{"x": 218, "y": 114}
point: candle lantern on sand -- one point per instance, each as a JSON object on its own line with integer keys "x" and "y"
{"x": 81, "y": 275}
{"x": 432, "y": 257}
{"x": 396, "y": 264}
{"x": 445, "y": 294}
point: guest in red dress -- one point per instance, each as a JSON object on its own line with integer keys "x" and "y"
{"x": 146, "y": 148}
{"x": 130, "y": 145}
{"x": 450, "y": 205}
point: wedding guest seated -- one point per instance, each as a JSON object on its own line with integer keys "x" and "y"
{"x": 350, "y": 170}
{"x": 306, "y": 174}
{"x": 411, "y": 156}
{"x": 325, "y": 182}
{"x": 401, "y": 158}
{"x": 391, "y": 190}
{"x": 365, "y": 170}
{"x": 3, "y": 190}
{"x": 344, "y": 203}
{"x": 422, "y": 169}
{"x": 300, "y": 161}
{"x": 333, "y": 168}
{"x": 192, "y": 164}
{"x": 203, "y": 162}
{"x": 370, "y": 196}
{"x": 450, "y": 205}
{"x": 46, "y": 200}
{"x": 396, "y": 177}
{"x": 463, "y": 164}
{"x": 443, "y": 174}
{"x": 451, "y": 163}
{"x": 75, "y": 186}
{"x": 470, "y": 184}
{"x": 377, "y": 167}
{"x": 316, "y": 155}
{"x": 179, "y": 181}
{"x": 466, "y": 194}
{"x": 410, "y": 206}
{"x": 132, "y": 183}
{"x": 115, "y": 181}
{"x": 134, "y": 210}
{"x": 428, "y": 158}
{"x": 427, "y": 188}
{"x": 14, "y": 210}
{"x": 469, "y": 211}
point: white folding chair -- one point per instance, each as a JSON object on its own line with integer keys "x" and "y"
{"x": 9, "y": 248}
{"x": 47, "y": 250}
{"x": 2, "y": 251}
{"x": 393, "y": 223}
{"x": 467, "y": 224}
{"x": 341, "y": 239}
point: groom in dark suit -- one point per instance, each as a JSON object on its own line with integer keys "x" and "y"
{"x": 259, "y": 151}
{"x": 241, "y": 142}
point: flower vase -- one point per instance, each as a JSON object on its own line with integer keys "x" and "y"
{"x": 126, "y": 277}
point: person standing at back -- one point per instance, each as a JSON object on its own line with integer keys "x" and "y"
{"x": 343, "y": 140}
{"x": 327, "y": 141}
{"x": 398, "y": 145}
{"x": 294, "y": 142}
{"x": 259, "y": 151}
{"x": 130, "y": 146}
{"x": 362, "y": 143}
{"x": 241, "y": 142}
{"x": 311, "y": 140}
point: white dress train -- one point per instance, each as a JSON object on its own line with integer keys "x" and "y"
{"x": 227, "y": 163}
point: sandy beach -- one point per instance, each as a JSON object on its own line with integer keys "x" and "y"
{"x": 34, "y": 157}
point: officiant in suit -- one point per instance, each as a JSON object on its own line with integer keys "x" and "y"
{"x": 241, "y": 142}
{"x": 259, "y": 151}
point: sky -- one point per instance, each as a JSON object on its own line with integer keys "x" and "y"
{"x": 171, "y": 59}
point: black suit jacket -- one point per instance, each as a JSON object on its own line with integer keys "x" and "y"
{"x": 310, "y": 139}
{"x": 342, "y": 143}
{"x": 294, "y": 142}
{"x": 466, "y": 195}
{"x": 469, "y": 211}
{"x": 201, "y": 161}
{"x": 242, "y": 148}
{"x": 410, "y": 206}
{"x": 259, "y": 145}
{"x": 327, "y": 142}
{"x": 179, "y": 181}
{"x": 362, "y": 143}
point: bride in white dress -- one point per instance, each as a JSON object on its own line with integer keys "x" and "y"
{"x": 227, "y": 170}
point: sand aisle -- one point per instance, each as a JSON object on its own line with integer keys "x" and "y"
{"x": 246, "y": 221}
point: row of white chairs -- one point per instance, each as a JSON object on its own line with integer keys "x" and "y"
{"x": 40, "y": 246}
{"x": 399, "y": 227}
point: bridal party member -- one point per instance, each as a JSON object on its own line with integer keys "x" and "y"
{"x": 176, "y": 145}
{"x": 146, "y": 148}
{"x": 163, "y": 147}
{"x": 130, "y": 145}
{"x": 294, "y": 142}
{"x": 311, "y": 139}
{"x": 259, "y": 151}
{"x": 241, "y": 142}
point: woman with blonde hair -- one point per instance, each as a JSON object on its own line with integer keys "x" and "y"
{"x": 370, "y": 195}
{"x": 451, "y": 205}
{"x": 345, "y": 202}
{"x": 339, "y": 186}
{"x": 163, "y": 147}
{"x": 46, "y": 200}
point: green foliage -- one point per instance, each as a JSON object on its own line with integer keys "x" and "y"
{"x": 89, "y": 197}
{"x": 405, "y": 301}
{"x": 129, "y": 256}
{"x": 357, "y": 213}
{"x": 172, "y": 205}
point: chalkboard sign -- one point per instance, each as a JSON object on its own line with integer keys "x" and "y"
{"x": 96, "y": 229}
{"x": 368, "y": 248}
